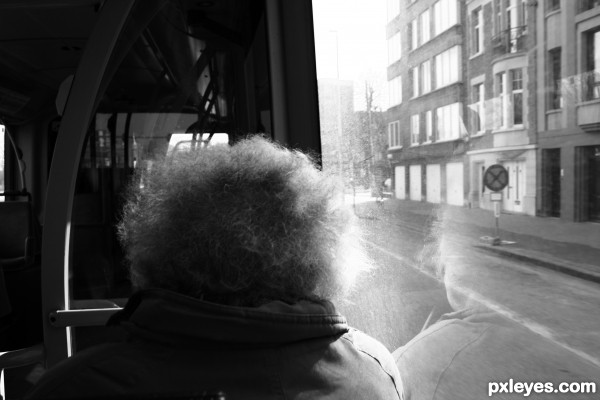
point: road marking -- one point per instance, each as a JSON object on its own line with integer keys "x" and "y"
{"x": 533, "y": 326}
{"x": 403, "y": 260}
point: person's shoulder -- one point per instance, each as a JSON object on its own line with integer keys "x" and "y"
{"x": 375, "y": 350}
{"x": 76, "y": 375}
{"x": 458, "y": 357}
{"x": 425, "y": 359}
{"x": 448, "y": 335}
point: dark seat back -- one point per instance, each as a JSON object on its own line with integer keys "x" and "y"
{"x": 20, "y": 283}
{"x": 17, "y": 234}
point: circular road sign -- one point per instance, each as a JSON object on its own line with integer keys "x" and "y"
{"x": 495, "y": 178}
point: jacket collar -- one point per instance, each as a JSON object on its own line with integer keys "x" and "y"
{"x": 168, "y": 316}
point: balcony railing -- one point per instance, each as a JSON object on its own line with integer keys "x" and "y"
{"x": 590, "y": 85}
{"x": 585, "y": 5}
{"x": 510, "y": 41}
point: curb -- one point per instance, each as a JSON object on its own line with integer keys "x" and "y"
{"x": 578, "y": 270}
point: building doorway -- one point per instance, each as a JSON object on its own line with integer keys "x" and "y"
{"x": 477, "y": 187}
{"x": 588, "y": 188}
{"x": 433, "y": 186}
{"x": 594, "y": 183}
{"x": 400, "y": 180}
{"x": 455, "y": 184}
{"x": 415, "y": 182}
{"x": 551, "y": 177}
{"x": 514, "y": 192}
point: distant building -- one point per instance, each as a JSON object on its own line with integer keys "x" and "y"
{"x": 426, "y": 118}
{"x": 351, "y": 141}
{"x": 336, "y": 109}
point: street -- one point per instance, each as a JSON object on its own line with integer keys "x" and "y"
{"x": 396, "y": 301}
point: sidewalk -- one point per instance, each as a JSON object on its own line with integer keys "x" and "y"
{"x": 568, "y": 247}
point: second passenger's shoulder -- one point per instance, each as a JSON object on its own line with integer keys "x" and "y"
{"x": 377, "y": 352}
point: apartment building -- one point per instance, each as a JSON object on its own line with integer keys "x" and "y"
{"x": 568, "y": 116}
{"x": 480, "y": 82}
{"x": 426, "y": 76}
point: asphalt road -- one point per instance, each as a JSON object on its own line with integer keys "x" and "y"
{"x": 403, "y": 294}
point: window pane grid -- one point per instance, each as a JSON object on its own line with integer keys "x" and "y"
{"x": 447, "y": 67}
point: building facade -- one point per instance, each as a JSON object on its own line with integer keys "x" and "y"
{"x": 426, "y": 76}
{"x": 500, "y": 81}
{"x": 568, "y": 115}
{"x": 480, "y": 82}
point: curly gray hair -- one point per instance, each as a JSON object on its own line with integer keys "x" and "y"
{"x": 241, "y": 225}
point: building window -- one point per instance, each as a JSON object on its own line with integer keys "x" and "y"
{"x": 414, "y": 130}
{"x": 445, "y": 15}
{"x": 394, "y": 134}
{"x": 554, "y": 79}
{"x": 592, "y": 75}
{"x": 501, "y": 99}
{"x": 393, "y": 9}
{"x": 394, "y": 48}
{"x": 424, "y": 20}
{"x": 524, "y": 15}
{"x": 509, "y": 98}
{"x": 585, "y": 5}
{"x": 425, "y": 75}
{"x": 517, "y": 96}
{"x": 413, "y": 34}
{"x": 552, "y": 5}
{"x": 477, "y": 31}
{"x": 429, "y": 126}
{"x": 510, "y": 25}
{"x": 416, "y": 83}
{"x": 447, "y": 67}
{"x": 448, "y": 122}
{"x": 497, "y": 17}
{"x": 395, "y": 91}
{"x": 512, "y": 17}
{"x": 478, "y": 108}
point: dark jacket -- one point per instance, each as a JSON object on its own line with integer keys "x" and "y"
{"x": 181, "y": 345}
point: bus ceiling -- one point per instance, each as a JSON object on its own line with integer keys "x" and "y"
{"x": 42, "y": 44}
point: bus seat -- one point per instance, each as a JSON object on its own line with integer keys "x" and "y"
{"x": 21, "y": 332}
{"x": 21, "y": 321}
{"x": 18, "y": 242}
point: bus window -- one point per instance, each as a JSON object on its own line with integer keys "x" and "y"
{"x": 466, "y": 134}
{"x": 183, "y": 142}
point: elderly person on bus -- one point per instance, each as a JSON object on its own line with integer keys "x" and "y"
{"x": 237, "y": 252}
{"x": 477, "y": 349}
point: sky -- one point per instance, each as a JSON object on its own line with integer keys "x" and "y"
{"x": 353, "y": 33}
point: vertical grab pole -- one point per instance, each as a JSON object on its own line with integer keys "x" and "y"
{"x": 63, "y": 172}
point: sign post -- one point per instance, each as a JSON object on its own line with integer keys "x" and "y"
{"x": 495, "y": 178}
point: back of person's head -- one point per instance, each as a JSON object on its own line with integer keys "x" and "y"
{"x": 240, "y": 225}
{"x": 443, "y": 258}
